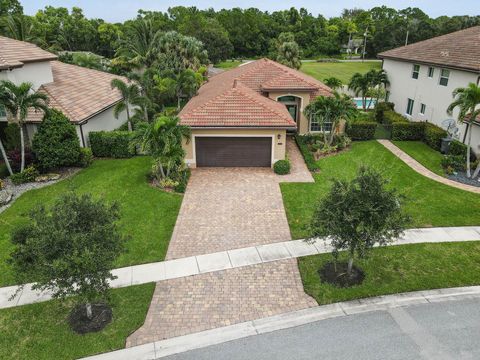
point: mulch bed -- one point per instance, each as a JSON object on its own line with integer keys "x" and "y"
{"x": 461, "y": 177}
{"x": 81, "y": 324}
{"x": 318, "y": 157}
{"x": 339, "y": 277}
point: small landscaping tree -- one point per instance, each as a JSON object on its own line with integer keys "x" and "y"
{"x": 356, "y": 215}
{"x": 288, "y": 51}
{"x": 69, "y": 249}
{"x": 18, "y": 100}
{"x": 56, "y": 144}
{"x": 333, "y": 82}
{"x": 468, "y": 101}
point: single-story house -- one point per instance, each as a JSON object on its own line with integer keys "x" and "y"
{"x": 241, "y": 117}
{"x": 84, "y": 95}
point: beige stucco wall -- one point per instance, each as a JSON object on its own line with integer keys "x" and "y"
{"x": 36, "y": 73}
{"x": 305, "y": 100}
{"x": 278, "y": 143}
{"x": 427, "y": 90}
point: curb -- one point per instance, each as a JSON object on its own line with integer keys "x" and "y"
{"x": 180, "y": 344}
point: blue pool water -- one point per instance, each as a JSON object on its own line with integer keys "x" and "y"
{"x": 358, "y": 102}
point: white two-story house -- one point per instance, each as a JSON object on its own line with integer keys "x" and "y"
{"x": 84, "y": 95}
{"x": 423, "y": 76}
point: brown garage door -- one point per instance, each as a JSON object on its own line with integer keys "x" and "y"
{"x": 233, "y": 151}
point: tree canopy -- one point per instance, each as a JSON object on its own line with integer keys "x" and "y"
{"x": 236, "y": 32}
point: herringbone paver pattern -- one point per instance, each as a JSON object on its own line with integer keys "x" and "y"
{"x": 230, "y": 208}
{"x": 223, "y": 209}
{"x": 196, "y": 303}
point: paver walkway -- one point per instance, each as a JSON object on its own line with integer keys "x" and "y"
{"x": 230, "y": 208}
{"x": 419, "y": 168}
{"x": 224, "y": 209}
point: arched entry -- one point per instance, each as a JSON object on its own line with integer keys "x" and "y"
{"x": 293, "y": 104}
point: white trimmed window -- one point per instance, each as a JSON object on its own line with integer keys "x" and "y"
{"x": 415, "y": 71}
{"x": 444, "y": 75}
{"x": 423, "y": 108}
{"x": 410, "y": 103}
{"x": 315, "y": 125}
{"x": 431, "y": 71}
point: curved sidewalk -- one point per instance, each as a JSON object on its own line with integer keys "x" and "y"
{"x": 422, "y": 170}
{"x": 231, "y": 259}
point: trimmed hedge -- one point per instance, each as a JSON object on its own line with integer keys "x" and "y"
{"x": 112, "y": 144}
{"x": 408, "y": 131}
{"x": 391, "y": 117}
{"x": 55, "y": 144}
{"x": 361, "y": 130}
{"x": 460, "y": 149}
{"x": 302, "y": 143}
{"x": 433, "y": 136}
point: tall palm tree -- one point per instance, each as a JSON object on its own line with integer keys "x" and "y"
{"x": 21, "y": 27}
{"x": 468, "y": 102}
{"x": 2, "y": 148}
{"x": 162, "y": 139}
{"x": 333, "y": 82}
{"x": 378, "y": 79}
{"x": 18, "y": 100}
{"x": 330, "y": 109}
{"x": 361, "y": 85}
{"x": 130, "y": 96}
{"x": 139, "y": 45}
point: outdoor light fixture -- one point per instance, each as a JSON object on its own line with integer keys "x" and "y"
{"x": 279, "y": 136}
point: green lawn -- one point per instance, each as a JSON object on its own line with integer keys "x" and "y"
{"x": 229, "y": 64}
{"x": 397, "y": 269}
{"x": 340, "y": 70}
{"x": 148, "y": 215}
{"x": 429, "y": 203}
{"x": 424, "y": 154}
{"x": 40, "y": 331}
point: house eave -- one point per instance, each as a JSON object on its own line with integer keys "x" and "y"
{"x": 438, "y": 64}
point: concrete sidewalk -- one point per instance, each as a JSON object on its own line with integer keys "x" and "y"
{"x": 223, "y": 260}
{"x": 160, "y": 349}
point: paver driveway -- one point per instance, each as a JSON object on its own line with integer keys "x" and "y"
{"x": 223, "y": 209}
{"x": 229, "y": 208}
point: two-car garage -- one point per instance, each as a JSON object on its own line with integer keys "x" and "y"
{"x": 233, "y": 151}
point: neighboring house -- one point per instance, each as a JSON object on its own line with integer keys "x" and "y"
{"x": 84, "y": 95}
{"x": 423, "y": 76}
{"x": 241, "y": 117}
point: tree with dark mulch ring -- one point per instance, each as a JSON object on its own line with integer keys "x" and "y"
{"x": 69, "y": 250}
{"x": 355, "y": 216}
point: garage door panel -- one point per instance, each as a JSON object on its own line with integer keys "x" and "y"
{"x": 233, "y": 151}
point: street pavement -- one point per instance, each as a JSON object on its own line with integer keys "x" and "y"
{"x": 434, "y": 331}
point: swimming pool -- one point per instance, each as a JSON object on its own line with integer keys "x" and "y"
{"x": 370, "y": 103}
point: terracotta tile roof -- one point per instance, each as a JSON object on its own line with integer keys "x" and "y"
{"x": 15, "y": 53}
{"x": 235, "y": 97}
{"x": 457, "y": 50}
{"x": 78, "y": 92}
{"x": 239, "y": 106}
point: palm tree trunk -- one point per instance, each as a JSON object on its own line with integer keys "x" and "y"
{"x": 88, "y": 308}
{"x": 350, "y": 265}
{"x": 129, "y": 123}
{"x": 4, "y": 155}
{"x": 22, "y": 144}
{"x": 469, "y": 129}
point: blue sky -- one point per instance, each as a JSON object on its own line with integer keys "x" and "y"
{"x": 119, "y": 10}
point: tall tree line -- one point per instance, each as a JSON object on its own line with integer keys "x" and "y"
{"x": 239, "y": 33}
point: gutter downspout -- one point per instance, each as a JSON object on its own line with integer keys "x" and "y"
{"x": 81, "y": 135}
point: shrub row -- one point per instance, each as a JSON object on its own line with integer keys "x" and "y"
{"x": 113, "y": 144}
{"x": 302, "y": 143}
{"x": 408, "y": 131}
{"x": 433, "y": 136}
{"x": 361, "y": 130}
{"x": 380, "y": 110}
{"x": 391, "y": 117}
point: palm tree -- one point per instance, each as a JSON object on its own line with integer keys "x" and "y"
{"x": 162, "y": 139}
{"x": 468, "y": 101}
{"x": 21, "y": 27}
{"x": 130, "y": 96}
{"x": 361, "y": 85}
{"x": 18, "y": 100}
{"x": 333, "y": 82}
{"x": 330, "y": 109}
{"x": 139, "y": 45}
{"x": 378, "y": 79}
